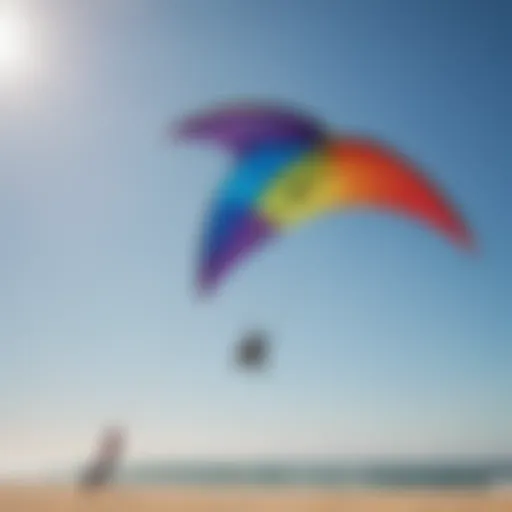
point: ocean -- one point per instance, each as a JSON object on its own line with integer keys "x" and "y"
{"x": 332, "y": 475}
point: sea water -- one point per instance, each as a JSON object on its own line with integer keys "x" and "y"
{"x": 339, "y": 475}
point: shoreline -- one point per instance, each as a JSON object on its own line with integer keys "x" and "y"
{"x": 58, "y": 498}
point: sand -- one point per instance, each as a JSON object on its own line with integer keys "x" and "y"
{"x": 51, "y": 499}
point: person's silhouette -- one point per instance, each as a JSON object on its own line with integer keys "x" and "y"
{"x": 102, "y": 468}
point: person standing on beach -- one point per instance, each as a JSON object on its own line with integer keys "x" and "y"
{"x": 110, "y": 450}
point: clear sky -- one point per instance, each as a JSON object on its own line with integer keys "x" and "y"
{"x": 388, "y": 340}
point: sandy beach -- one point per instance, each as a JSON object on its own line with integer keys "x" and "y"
{"x": 52, "y": 499}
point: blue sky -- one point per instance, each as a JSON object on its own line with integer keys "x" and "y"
{"x": 388, "y": 341}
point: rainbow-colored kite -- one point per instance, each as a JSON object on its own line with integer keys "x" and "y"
{"x": 289, "y": 169}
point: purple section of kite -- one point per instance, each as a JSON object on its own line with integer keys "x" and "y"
{"x": 249, "y": 232}
{"x": 242, "y": 128}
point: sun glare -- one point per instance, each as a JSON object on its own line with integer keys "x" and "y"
{"x": 13, "y": 42}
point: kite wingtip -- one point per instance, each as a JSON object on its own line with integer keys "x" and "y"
{"x": 468, "y": 242}
{"x": 473, "y": 248}
{"x": 175, "y": 133}
{"x": 204, "y": 289}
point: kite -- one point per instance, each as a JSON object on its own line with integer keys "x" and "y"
{"x": 290, "y": 169}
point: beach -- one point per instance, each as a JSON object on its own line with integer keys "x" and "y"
{"x": 66, "y": 499}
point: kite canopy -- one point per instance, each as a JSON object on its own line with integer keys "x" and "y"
{"x": 290, "y": 171}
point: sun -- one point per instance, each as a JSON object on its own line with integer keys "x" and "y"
{"x": 13, "y": 42}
